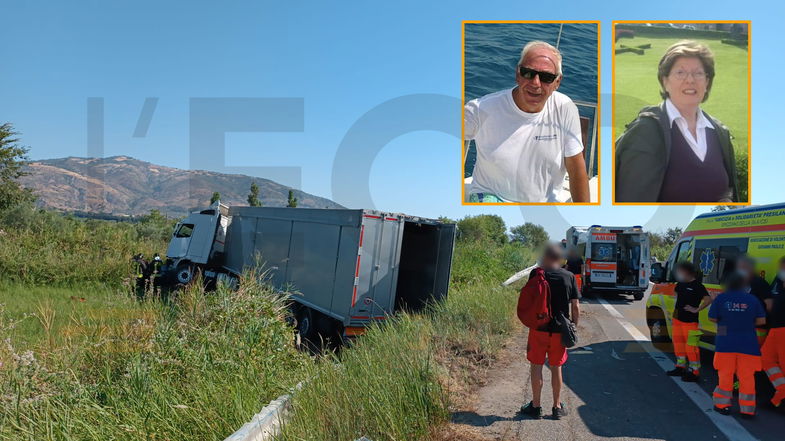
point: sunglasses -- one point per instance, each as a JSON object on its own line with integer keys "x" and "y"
{"x": 545, "y": 77}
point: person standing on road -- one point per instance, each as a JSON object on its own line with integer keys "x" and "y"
{"x": 773, "y": 351}
{"x": 691, "y": 298}
{"x": 545, "y": 343}
{"x": 574, "y": 262}
{"x": 737, "y": 352}
{"x": 757, "y": 286}
{"x": 575, "y": 265}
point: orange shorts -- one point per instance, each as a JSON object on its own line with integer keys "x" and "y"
{"x": 542, "y": 343}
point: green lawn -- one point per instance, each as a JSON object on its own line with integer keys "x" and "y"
{"x": 637, "y": 86}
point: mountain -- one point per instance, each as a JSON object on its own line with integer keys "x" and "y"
{"x": 121, "y": 185}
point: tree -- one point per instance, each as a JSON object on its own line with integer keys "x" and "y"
{"x": 13, "y": 157}
{"x": 216, "y": 197}
{"x": 484, "y": 228}
{"x": 722, "y": 208}
{"x": 530, "y": 235}
{"x": 155, "y": 225}
{"x": 292, "y": 200}
{"x": 672, "y": 235}
{"x": 253, "y": 197}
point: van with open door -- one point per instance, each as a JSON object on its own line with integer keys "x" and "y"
{"x": 713, "y": 241}
{"x": 616, "y": 259}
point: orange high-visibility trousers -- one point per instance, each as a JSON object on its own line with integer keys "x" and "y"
{"x": 743, "y": 366}
{"x": 684, "y": 347}
{"x": 773, "y": 361}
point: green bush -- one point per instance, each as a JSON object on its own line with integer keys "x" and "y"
{"x": 488, "y": 228}
{"x": 39, "y": 247}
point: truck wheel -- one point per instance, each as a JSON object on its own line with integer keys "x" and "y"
{"x": 637, "y": 295}
{"x": 658, "y": 329}
{"x": 306, "y": 327}
{"x": 185, "y": 273}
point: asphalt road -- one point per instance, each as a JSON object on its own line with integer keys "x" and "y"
{"x": 615, "y": 388}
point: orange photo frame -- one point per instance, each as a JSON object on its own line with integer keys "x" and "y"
{"x": 598, "y": 112}
{"x": 749, "y": 113}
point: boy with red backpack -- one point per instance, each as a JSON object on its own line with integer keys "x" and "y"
{"x": 550, "y": 294}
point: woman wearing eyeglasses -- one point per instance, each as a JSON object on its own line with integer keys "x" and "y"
{"x": 676, "y": 152}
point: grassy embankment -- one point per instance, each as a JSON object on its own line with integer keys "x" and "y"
{"x": 110, "y": 367}
{"x": 81, "y": 358}
{"x": 398, "y": 381}
{"x": 637, "y": 86}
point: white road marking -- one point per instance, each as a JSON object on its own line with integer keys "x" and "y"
{"x": 727, "y": 425}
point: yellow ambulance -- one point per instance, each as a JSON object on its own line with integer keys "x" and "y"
{"x": 712, "y": 242}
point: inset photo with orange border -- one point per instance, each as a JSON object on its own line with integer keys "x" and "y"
{"x": 531, "y": 116}
{"x": 681, "y": 112}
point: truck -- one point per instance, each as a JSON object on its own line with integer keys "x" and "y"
{"x": 616, "y": 259}
{"x": 346, "y": 268}
{"x": 713, "y": 242}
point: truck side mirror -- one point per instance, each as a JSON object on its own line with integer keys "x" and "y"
{"x": 657, "y": 272}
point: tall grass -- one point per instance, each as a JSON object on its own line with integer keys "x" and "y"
{"x": 194, "y": 369}
{"x": 39, "y": 247}
{"x": 395, "y": 382}
{"x": 81, "y": 358}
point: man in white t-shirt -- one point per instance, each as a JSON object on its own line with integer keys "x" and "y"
{"x": 528, "y": 137}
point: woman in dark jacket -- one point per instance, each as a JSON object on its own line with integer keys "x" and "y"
{"x": 676, "y": 152}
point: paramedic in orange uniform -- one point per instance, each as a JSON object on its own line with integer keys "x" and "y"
{"x": 774, "y": 348}
{"x": 737, "y": 352}
{"x": 691, "y": 298}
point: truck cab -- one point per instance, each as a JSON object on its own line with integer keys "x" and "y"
{"x": 197, "y": 242}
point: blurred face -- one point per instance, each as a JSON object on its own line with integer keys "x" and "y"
{"x": 533, "y": 92}
{"x": 745, "y": 269}
{"x": 686, "y": 83}
{"x": 681, "y": 276}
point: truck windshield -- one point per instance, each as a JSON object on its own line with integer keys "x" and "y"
{"x": 185, "y": 230}
{"x": 603, "y": 252}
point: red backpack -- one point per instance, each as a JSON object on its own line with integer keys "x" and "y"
{"x": 534, "y": 303}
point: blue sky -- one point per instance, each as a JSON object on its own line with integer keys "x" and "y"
{"x": 343, "y": 59}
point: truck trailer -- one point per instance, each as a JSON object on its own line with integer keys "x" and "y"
{"x": 616, "y": 259}
{"x": 345, "y": 268}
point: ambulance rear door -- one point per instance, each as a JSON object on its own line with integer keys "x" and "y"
{"x": 602, "y": 266}
{"x": 645, "y": 263}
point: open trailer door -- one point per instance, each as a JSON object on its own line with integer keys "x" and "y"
{"x": 426, "y": 258}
